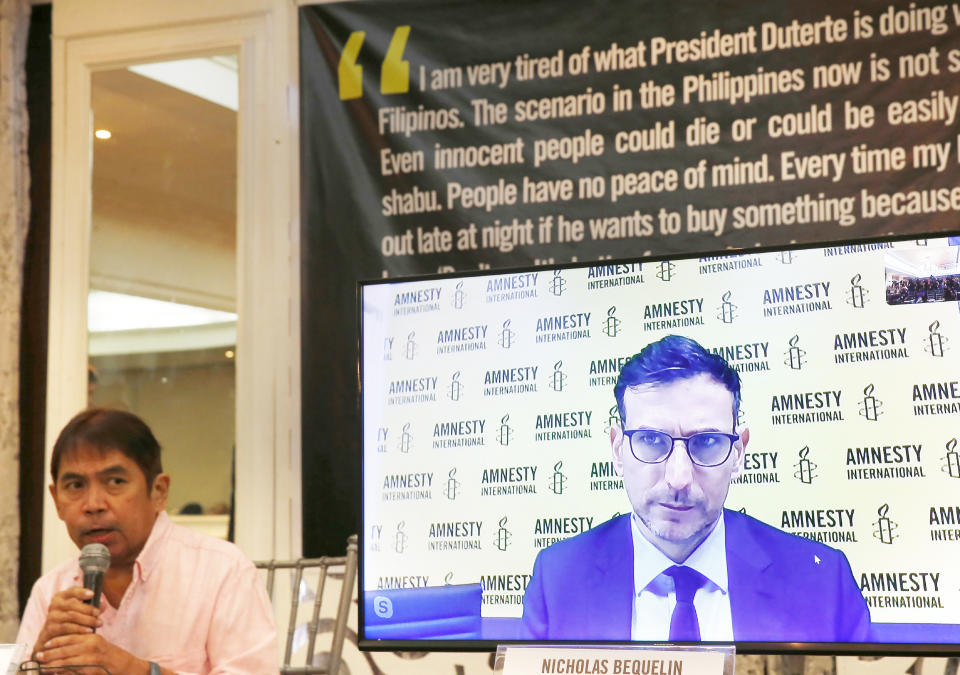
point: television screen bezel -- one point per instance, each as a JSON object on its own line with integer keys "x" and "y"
{"x": 488, "y": 645}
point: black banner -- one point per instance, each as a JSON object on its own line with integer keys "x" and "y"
{"x": 441, "y": 136}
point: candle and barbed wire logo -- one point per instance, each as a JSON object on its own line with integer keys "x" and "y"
{"x": 459, "y": 296}
{"x": 886, "y": 528}
{"x": 507, "y": 336}
{"x": 455, "y": 390}
{"x": 611, "y": 326}
{"x": 448, "y": 579}
{"x": 665, "y": 270}
{"x": 727, "y": 310}
{"x": 806, "y": 468}
{"x": 558, "y": 379}
{"x": 786, "y": 257}
{"x": 871, "y": 407}
{"x": 388, "y": 349}
{"x": 613, "y": 419}
{"x": 795, "y": 356}
{"x": 504, "y": 535}
{"x": 410, "y": 351}
{"x": 406, "y": 439}
{"x": 557, "y": 284}
{"x": 936, "y": 341}
{"x": 558, "y": 480}
{"x": 452, "y": 488}
{"x": 857, "y": 294}
{"x": 952, "y": 459}
{"x": 506, "y": 431}
{"x": 400, "y": 539}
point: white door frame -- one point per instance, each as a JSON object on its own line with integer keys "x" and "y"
{"x": 268, "y": 516}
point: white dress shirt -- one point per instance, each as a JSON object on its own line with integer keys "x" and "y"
{"x": 655, "y": 597}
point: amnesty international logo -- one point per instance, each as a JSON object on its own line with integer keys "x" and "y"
{"x": 857, "y": 294}
{"x": 504, "y": 535}
{"x": 727, "y": 310}
{"x": 459, "y": 296}
{"x": 611, "y": 326}
{"x": 795, "y": 356}
{"x": 936, "y": 342}
{"x": 559, "y": 379}
{"x": 786, "y": 257}
{"x": 410, "y": 351}
{"x": 453, "y": 485}
{"x": 557, "y": 285}
{"x": 507, "y": 337}
{"x": 558, "y": 480}
{"x": 506, "y": 431}
{"x": 886, "y": 528}
{"x": 805, "y": 467}
{"x": 952, "y": 466}
{"x": 400, "y": 539}
{"x": 455, "y": 390}
{"x": 870, "y": 406}
{"x": 665, "y": 270}
{"x": 406, "y": 439}
{"x": 613, "y": 419}
{"x": 388, "y": 349}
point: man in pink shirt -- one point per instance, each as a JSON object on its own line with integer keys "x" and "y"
{"x": 174, "y": 601}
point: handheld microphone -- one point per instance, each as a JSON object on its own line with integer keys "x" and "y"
{"x": 94, "y": 561}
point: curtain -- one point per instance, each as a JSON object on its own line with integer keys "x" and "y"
{"x": 14, "y": 215}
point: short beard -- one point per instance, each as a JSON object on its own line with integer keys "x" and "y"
{"x": 663, "y": 533}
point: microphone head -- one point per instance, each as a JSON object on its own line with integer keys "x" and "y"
{"x": 94, "y": 558}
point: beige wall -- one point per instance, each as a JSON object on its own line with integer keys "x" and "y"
{"x": 191, "y": 412}
{"x": 143, "y": 258}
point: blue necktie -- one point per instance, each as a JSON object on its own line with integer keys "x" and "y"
{"x": 684, "y": 625}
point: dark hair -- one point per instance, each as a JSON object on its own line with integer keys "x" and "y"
{"x": 105, "y": 429}
{"x": 675, "y": 358}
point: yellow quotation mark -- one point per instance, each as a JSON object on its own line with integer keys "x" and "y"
{"x": 394, "y": 75}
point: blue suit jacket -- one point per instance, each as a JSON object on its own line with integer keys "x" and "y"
{"x": 582, "y": 588}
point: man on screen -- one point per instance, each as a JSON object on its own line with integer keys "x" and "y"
{"x": 174, "y": 601}
{"x": 680, "y": 567}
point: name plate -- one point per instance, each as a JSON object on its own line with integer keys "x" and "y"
{"x": 614, "y": 660}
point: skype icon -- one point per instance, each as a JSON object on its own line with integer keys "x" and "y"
{"x": 382, "y": 607}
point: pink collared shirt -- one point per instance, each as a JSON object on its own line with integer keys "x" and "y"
{"x": 195, "y": 605}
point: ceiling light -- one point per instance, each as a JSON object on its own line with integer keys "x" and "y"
{"x": 116, "y": 311}
{"x": 212, "y": 78}
{"x": 102, "y": 134}
{"x": 229, "y": 354}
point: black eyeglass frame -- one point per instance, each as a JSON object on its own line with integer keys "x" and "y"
{"x": 686, "y": 445}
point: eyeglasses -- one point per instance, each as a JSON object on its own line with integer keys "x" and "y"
{"x": 707, "y": 448}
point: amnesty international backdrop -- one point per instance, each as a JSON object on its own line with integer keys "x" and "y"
{"x": 488, "y": 403}
{"x": 457, "y": 135}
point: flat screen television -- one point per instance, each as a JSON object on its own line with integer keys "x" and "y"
{"x": 491, "y": 435}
